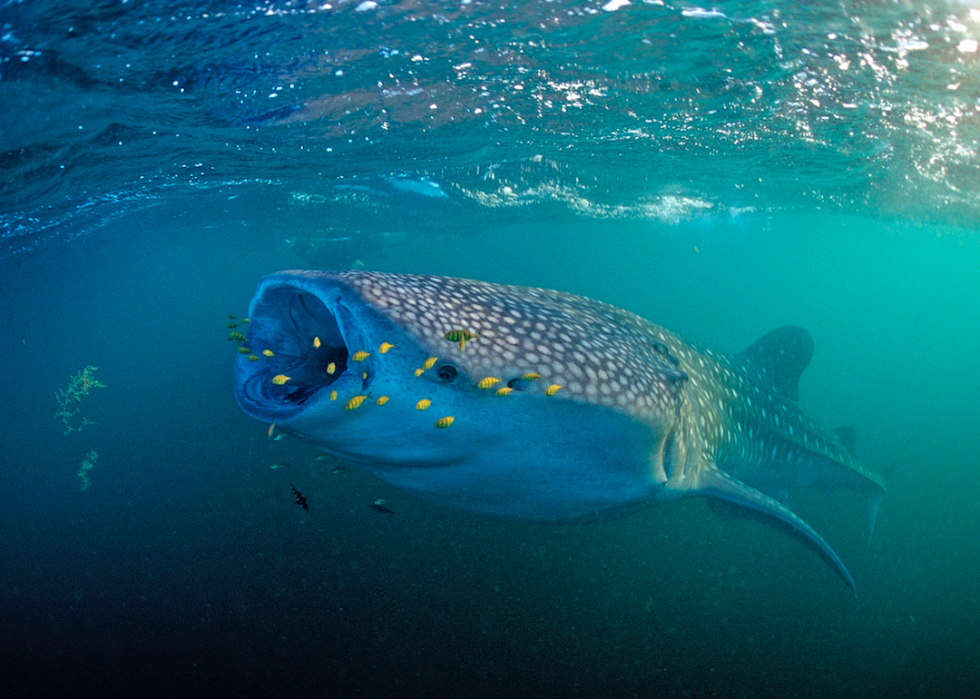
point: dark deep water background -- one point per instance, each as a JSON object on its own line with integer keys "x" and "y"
{"x": 721, "y": 171}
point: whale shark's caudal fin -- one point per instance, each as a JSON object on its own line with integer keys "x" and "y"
{"x": 874, "y": 500}
{"x": 847, "y": 436}
{"x": 717, "y": 484}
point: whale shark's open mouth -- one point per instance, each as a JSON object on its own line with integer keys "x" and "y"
{"x": 301, "y": 341}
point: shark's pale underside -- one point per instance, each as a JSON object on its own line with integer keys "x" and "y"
{"x": 533, "y": 404}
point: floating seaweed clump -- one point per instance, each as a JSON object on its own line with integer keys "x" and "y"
{"x": 70, "y": 398}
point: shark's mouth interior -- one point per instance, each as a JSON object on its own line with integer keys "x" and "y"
{"x": 300, "y": 349}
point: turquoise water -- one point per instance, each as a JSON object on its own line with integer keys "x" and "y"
{"x": 721, "y": 170}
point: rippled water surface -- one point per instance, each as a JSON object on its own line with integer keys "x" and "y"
{"x": 721, "y": 169}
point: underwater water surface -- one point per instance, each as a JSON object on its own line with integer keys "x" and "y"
{"x": 720, "y": 169}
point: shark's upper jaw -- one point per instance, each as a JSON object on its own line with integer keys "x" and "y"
{"x": 306, "y": 342}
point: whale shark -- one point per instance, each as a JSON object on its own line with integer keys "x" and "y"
{"x": 536, "y": 405}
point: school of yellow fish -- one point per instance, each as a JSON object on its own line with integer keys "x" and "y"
{"x": 460, "y": 336}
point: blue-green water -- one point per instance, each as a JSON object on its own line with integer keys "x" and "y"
{"x": 721, "y": 170}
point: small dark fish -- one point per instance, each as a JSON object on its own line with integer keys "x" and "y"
{"x": 300, "y": 500}
{"x": 229, "y": 316}
{"x": 338, "y": 469}
{"x": 231, "y": 325}
{"x": 380, "y": 506}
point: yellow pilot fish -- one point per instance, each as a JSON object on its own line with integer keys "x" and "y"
{"x": 461, "y": 336}
{"x": 354, "y": 402}
{"x": 280, "y": 379}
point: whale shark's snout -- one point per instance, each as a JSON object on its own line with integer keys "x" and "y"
{"x": 327, "y": 362}
{"x": 303, "y": 338}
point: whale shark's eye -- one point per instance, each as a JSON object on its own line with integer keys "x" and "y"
{"x": 446, "y": 373}
{"x": 519, "y": 383}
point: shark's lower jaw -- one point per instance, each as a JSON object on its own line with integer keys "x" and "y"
{"x": 300, "y": 345}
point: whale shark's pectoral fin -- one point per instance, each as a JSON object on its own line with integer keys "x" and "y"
{"x": 717, "y": 484}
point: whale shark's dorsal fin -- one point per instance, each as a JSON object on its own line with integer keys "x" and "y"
{"x": 848, "y": 437}
{"x": 781, "y": 356}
